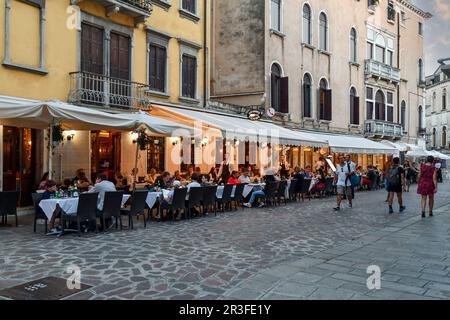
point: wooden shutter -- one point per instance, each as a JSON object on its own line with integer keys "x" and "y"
{"x": 91, "y": 49}
{"x": 153, "y": 62}
{"x": 157, "y": 72}
{"x": 306, "y": 100}
{"x": 328, "y": 105}
{"x": 120, "y": 56}
{"x": 355, "y": 110}
{"x": 273, "y": 95}
{"x": 284, "y": 95}
{"x": 189, "y": 80}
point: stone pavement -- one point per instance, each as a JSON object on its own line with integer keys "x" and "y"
{"x": 298, "y": 251}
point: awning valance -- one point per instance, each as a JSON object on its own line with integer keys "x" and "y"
{"x": 235, "y": 127}
{"x": 355, "y": 144}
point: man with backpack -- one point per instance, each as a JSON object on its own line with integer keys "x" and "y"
{"x": 396, "y": 184}
{"x": 343, "y": 183}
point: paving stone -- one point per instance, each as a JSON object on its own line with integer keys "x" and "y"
{"x": 331, "y": 294}
{"x": 294, "y": 289}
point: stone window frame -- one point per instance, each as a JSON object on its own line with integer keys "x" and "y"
{"x": 7, "y": 62}
{"x": 281, "y": 17}
{"x": 189, "y": 15}
{"x": 108, "y": 27}
{"x": 190, "y": 49}
{"x": 161, "y": 39}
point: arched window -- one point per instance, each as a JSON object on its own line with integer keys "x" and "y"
{"x": 444, "y": 99}
{"x": 276, "y": 87}
{"x": 420, "y": 70}
{"x": 307, "y": 24}
{"x": 434, "y": 138}
{"x": 353, "y": 45}
{"x": 380, "y": 49}
{"x": 420, "y": 118}
{"x": 380, "y": 106}
{"x": 444, "y": 137}
{"x": 323, "y": 32}
{"x": 403, "y": 115}
{"x": 307, "y": 88}
{"x": 324, "y": 101}
{"x": 354, "y": 107}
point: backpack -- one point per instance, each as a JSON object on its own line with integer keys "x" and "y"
{"x": 393, "y": 177}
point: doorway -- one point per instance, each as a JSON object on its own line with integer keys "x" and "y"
{"x": 19, "y": 162}
{"x": 106, "y": 150}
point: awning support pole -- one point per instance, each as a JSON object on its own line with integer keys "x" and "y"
{"x": 50, "y": 152}
{"x": 135, "y": 166}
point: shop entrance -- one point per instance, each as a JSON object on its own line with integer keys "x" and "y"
{"x": 105, "y": 153}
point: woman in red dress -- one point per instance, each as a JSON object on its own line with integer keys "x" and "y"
{"x": 427, "y": 184}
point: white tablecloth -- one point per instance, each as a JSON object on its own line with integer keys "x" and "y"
{"x": 151, "y": 198}
{"x": 68, "y": 205}
{"x": 219, "y": 192}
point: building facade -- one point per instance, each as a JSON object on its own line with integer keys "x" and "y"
{"x": 108, "y": 54}
{"x": 353, "y": 67}
{"x": 437, "y": 109}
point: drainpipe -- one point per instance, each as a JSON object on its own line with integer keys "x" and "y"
{"x": 205, "y": 54}
{"x": 398, "y": 65}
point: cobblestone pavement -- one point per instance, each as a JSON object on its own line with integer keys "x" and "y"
{"x": 298, "y": 251}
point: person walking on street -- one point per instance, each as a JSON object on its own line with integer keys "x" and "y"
{"x": 387, "y": 167}
{"x": 343, "y": 183}
{"x": 427, "y": 184}
{"x": 396, "y": 184}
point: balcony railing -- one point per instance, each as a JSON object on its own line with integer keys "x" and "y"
{"x": 97, "y": 90}
{"x": 383, "y": 129}
{"x": 140, "y": 10}
{"x": 381, "y": 70}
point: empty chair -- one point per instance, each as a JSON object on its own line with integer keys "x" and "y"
{"x": 292, "y": 189}
{"x": 86, "y": 211}
{"x": 125, "y": 189}
{"x": 209, "y": 198}
{"x": 281, "y": 192}
{"x": 238, "y": 197}
{"x": 226, "y": 196}
{"x": 8, "y": 205}
{"x": 270, "y": 191}
{"x": 38, "y": 214}
{"x": 137, "y": 208}
{"x": 111, "y": 207}
{"x": 195, "y": 199}
{"x": 178, "y": 203}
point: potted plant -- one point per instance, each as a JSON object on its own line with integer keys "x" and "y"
{"x": 143, "y": 140}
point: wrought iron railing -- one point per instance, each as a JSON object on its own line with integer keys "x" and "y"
{"x": 383, "y": 128}
{"x": 141, "y": 4}
{"x": 94, "y": 89}
{"x": 382, "y": 70}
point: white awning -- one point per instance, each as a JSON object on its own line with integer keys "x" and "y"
{"x": 439, "y": 155}
{"x": 40, "y": 114}
{"x": 400, "y": 146}
{"x": 355, "y": 144}
{"x": 235, "y": 127}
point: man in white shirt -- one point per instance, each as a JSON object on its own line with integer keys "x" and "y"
{"x": 102, "y": 185}
{"x": 343, "y": 183}
{"x": 244, "y": 178}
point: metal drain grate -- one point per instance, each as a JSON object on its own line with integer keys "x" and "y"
{"x": 49, "y": 288}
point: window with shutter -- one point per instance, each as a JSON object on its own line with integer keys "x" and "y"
{"x": 307, "y": 96}
{"x": 157, "y": 72}
{"x": 276, "y": 87}
{"x": 189, "y": 76}
{"x": 354, "y": 107}
{"x": 190, "y": 5}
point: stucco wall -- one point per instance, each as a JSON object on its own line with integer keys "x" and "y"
{"x": 238, "y": 47}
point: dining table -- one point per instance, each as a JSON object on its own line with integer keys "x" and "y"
{"x": 68, "y": 205}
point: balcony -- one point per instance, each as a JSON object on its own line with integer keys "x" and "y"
{"x": 93, "y": 90}
{"x": 140, "y": 10}
{"x": 382, "y": 71}
{"x": 383, "y": 129}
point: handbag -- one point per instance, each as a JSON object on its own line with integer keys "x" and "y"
{"x": 354, "y": 179}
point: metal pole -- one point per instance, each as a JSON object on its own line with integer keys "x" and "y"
{"x": 50, "y": 152}
{"x": 1, "y": 158}
{"x": 135, "y": 166}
